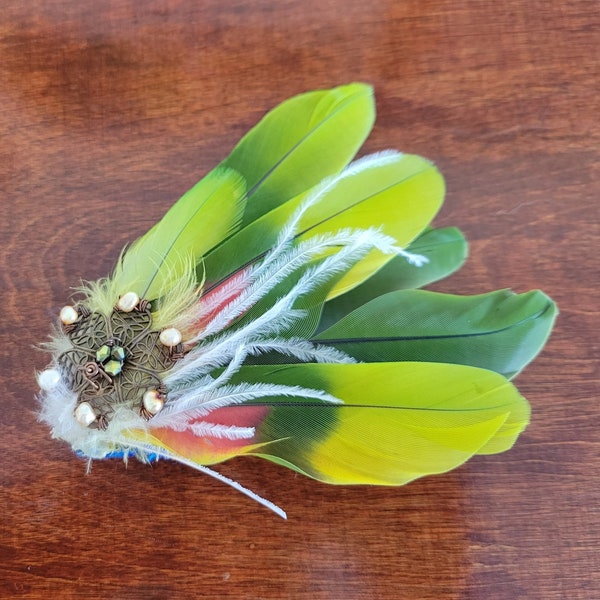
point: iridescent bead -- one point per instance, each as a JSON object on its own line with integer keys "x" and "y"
{"x": 113, "y": 367}
{"x": 103, "y": 353}
{"x": 118, "y": 353}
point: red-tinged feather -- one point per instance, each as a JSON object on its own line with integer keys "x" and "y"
{"x": 211, "y": 303}
{"x": 207, "y": 449}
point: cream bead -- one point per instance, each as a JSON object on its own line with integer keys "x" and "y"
{"x": 170, "y": 337}
{"x": 84, "y": 413}
{"x": 48, "y": 379}
{"x": 68, "y": 315}
{"x": 127, "y": 302}
{"x": 152, "y": 402}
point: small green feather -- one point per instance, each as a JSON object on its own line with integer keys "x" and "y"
{"x": 445, "y": 249}
{"x": 204, "y": 216}
{"x": 397, "y": 193}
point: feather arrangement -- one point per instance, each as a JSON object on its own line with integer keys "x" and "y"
{"x": 274, "y": 312}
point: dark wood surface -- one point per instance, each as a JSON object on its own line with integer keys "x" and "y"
{"x": 110, "y": 110}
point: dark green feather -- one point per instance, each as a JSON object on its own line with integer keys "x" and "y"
{"x": 500, "y": 331}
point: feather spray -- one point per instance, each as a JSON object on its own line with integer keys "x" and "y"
{"x": 274, "y": 312}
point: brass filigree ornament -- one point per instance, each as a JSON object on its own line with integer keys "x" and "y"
{"x": 115, "y": 361}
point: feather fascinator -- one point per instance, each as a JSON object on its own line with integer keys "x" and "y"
{"x": 274, "y": 311}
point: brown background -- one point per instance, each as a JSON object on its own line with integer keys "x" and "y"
{"x": 109, "y": 110}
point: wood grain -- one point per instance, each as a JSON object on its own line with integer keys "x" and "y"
{"x": 109, "y": 110}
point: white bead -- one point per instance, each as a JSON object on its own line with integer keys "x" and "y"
{"x": 68, "y": 315}
{"x": 84, "y": 413}
{"x": 152, "y": 401}
{"x": 48, "y": 379}
{"x": 127, "y": 302}
{"x": 170, "y": 337}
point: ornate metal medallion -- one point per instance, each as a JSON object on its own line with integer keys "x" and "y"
{"x": 116, "y": 361}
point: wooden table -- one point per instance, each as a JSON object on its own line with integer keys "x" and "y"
{"x": 110, "y": 110}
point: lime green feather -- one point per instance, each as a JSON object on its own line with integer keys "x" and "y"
{"x": 300, "y": 142}
{"x": 400, "y": 196}
{"x": 296, "y": 145}
{"x": 401, "y": 199}
{"x": 399, "y": 421}
{"x": 204, "y": 216}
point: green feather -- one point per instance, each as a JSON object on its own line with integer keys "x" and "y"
{"x": 204, "y": 216}
{"x": 500, "y": 331}
{"x": 398, "y": 421}
{"x": 446, "y": 250}
{"x": 300, "y": 142}
{"x": 400, "y": 197}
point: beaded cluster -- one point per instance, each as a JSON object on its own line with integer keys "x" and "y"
{"x": 114, "y": 360}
